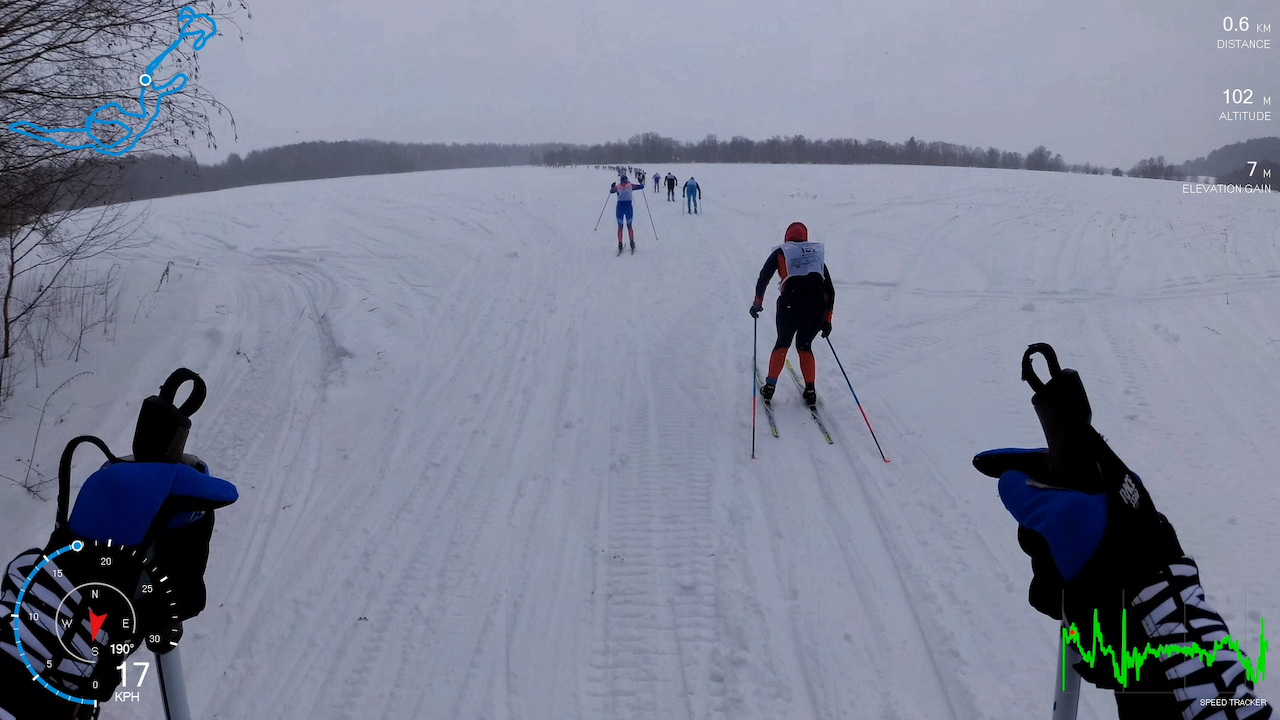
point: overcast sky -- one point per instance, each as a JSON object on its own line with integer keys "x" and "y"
{"x": 1102, "y": 81}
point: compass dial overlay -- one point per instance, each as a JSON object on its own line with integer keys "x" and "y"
{"x": 83, "y": 610}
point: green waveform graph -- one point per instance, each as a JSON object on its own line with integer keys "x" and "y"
{"x": 1128, "y": 659}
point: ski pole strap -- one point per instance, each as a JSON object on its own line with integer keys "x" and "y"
{"x": 1029, "y": 374}
{"x": 64, "y": 474}
{"x": 198, "y": 390}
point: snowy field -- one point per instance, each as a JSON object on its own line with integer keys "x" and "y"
{"x": 490, "y": 470}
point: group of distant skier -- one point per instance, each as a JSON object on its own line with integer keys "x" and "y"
{"x": 624, "y": 211}
{"x": 690, "y": 191}
{"x": 807, "y": 298}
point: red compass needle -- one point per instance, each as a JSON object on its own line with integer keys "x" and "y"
{"x": 95, "y": 623}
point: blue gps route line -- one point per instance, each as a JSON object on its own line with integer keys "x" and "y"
{"x": 186, "y": 17}
{"x": 76, "y": 546}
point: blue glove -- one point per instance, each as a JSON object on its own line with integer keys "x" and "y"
{"x": 166, "y": 504}
{"x": 1059, "y": 529}
{"x": 132, "y": 501}
{"x": 755, "y": 310}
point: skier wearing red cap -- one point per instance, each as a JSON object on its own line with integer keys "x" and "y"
{"x": 805, "y": 303}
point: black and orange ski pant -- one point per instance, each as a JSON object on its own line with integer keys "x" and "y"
{"x": 799, "y": 318}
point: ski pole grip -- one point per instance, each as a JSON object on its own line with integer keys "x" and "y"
{"x": 1029, "y": 373}
{"x": 1063, "y": 395}
{"x": 169, "y": 390}
{"x": 161, "y": 434}
{"x": 1062, "y": 406}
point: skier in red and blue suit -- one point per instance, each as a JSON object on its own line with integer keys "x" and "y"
{"x": 624, "y": 211}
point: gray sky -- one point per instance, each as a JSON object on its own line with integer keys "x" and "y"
{"x": 1102, "y": 81}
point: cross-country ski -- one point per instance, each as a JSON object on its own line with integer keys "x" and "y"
{"x": 811, "y": 405}
{"x": 768, "y": 406}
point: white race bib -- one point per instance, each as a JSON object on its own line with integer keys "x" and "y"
{"x": 803, "y": 258}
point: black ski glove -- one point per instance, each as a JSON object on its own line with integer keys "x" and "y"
{"x": 755, "y": 310}
{"x": 1097, "y": 546}
{"x": 826, "y": 328}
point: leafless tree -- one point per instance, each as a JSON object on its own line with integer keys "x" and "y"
{"x": 60, "y": 60}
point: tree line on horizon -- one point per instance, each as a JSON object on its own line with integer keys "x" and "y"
{"x": 797, "y": 149}
{"x": 141, "y": 177}
{"x": 1229, "y": 159}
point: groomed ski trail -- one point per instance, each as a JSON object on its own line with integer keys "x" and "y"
{"x": 488, "y": 470}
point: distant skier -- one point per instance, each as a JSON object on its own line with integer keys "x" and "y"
{"x": 691, "y": 189}
{"x": 640, "y": 176}
{"x": 805, "y": 304}
{"x": 671, "y": 187}
{"x": 624, "y": 211}
{"x": 657, "y": 182}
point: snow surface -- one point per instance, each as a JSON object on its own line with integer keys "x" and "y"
{"x": 490, "y": 470}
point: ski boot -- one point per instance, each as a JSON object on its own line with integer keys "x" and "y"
{"x": 810, "y": 395}
{"x": 619, "y": 247}
{"x": 633, "y": 247}
{"x": 766, "y": 392}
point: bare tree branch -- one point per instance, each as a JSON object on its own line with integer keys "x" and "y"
{"x": 61, "y": 60}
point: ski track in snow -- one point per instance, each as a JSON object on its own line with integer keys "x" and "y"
{"x": 488, "y": 469}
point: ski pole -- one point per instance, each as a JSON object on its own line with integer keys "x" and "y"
{"x": 856, "y": 400}
{"x": 646, "y": 209}
{"x": 755, "y": 333}
{"x": 606, "y": 204}
{"x": 173, "y": 686}
{"x": 1066, "y": 684}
